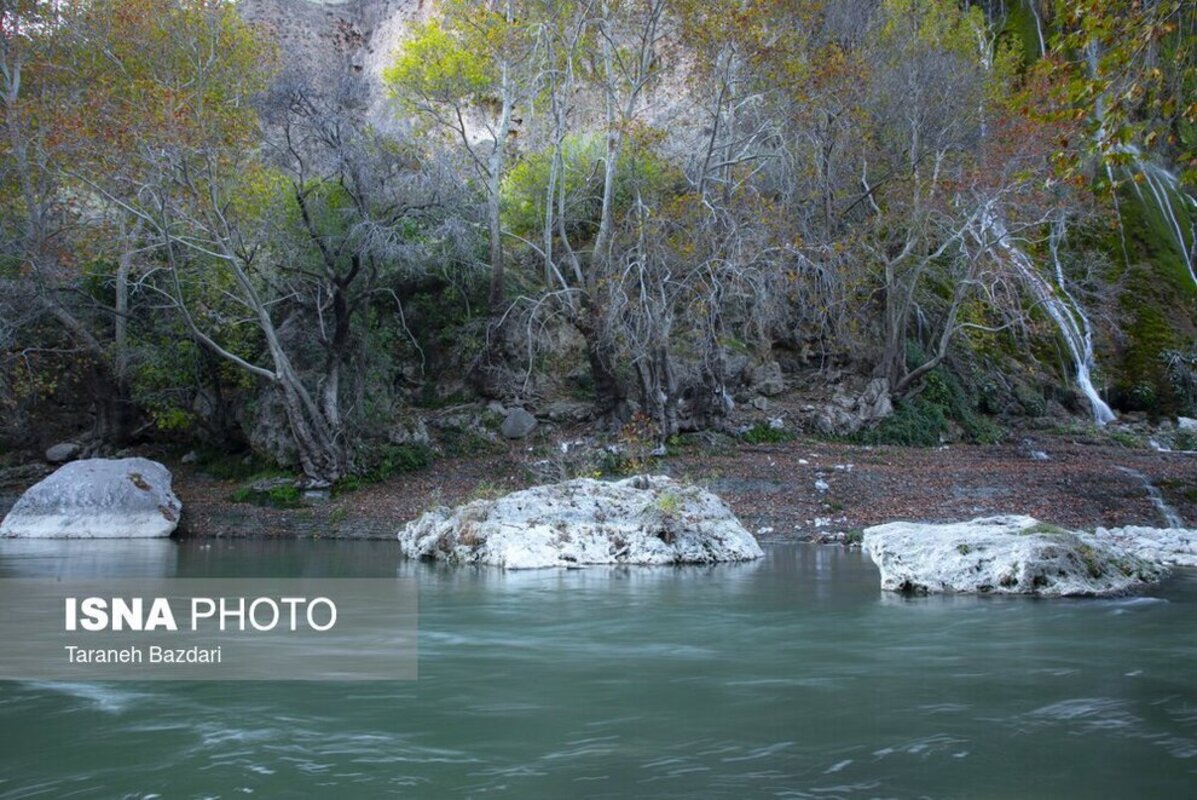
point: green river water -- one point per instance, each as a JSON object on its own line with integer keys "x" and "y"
{"x": 791, "y": 677}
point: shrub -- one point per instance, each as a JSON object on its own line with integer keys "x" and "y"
{"x": 465, "y": 443}
{"x": 640, "y": 170}
{"x": 1181, "y": 369}
{"x": 669, "y": 503}
{"x": 1031, "y": 401}
{"x": 615, "y": 464}
{"x": 761, "y": 433}
{"x": 914, "y": 423}
{"x": 235, "y": 466}
{"x": 1125, "y": 439}
{"x": 386, "y": 463}
{"x": 287, "y": 496}
{"x": 485, "y": 490}
{"x": 402, "y": 458}
{"x": 634, "y": 449}
{"x": 923, "y": 420}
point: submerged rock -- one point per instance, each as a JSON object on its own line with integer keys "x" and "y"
{"x": 1003, "y": 555}
{"x": 98, "y": 498}
{"x": 641, "y": 520}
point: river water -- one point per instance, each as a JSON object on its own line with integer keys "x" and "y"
{"x": 790, "y": 677}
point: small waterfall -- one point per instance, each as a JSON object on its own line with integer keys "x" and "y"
{"x": 1177, "y": 206}
{"x": 1078, "y": 327}
{"x": 1069, "y": 316}
{"x": 1171, "y": 518}
{"x": 1174, "y": 204}
{"x": 1033, "y": 7}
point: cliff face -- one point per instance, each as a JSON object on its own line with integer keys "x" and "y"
{"x": 329, "y": 38}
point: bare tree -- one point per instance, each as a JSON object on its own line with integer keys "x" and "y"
{"x": 45, "y": 232}
{"x": 467, "y": 73}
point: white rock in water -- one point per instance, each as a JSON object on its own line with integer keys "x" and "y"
{"x": 641, "y": 520}
{"x": 1176, "y": 546}
{"x": 98, "y": 498}
{"x": 1002, "y": 555}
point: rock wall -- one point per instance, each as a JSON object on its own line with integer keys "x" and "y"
{"x": 329, "y": 38}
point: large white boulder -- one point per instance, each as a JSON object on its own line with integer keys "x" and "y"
{"x": 641, "y": 520}
{"x": 1174, "y": 546}
{"x": 98, "y": 498}
{"x": 1002, "y": 555}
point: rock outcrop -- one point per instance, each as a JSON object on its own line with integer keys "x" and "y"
{"x": 568, "y": 411}
{"x": 1003, "y": 555}
{"x": 767, "y": 379}
{"x": 269, "y": 431}
{"x": 329, "y": 40}
{"x": 97, "y": 498}
{"x": 847, "y": 414}
{"x": 641, "y": 520}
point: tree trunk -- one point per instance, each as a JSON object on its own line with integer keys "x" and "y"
{"x": 322, "y": 460}
{"x": 498, "y": 289}
{"x": 498, "y": 278}
{"x": 609, "y": 396}
{"x": 120, "y": 402}
{"x": 669, "y": 389}
{"x": 110, "y": 424}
